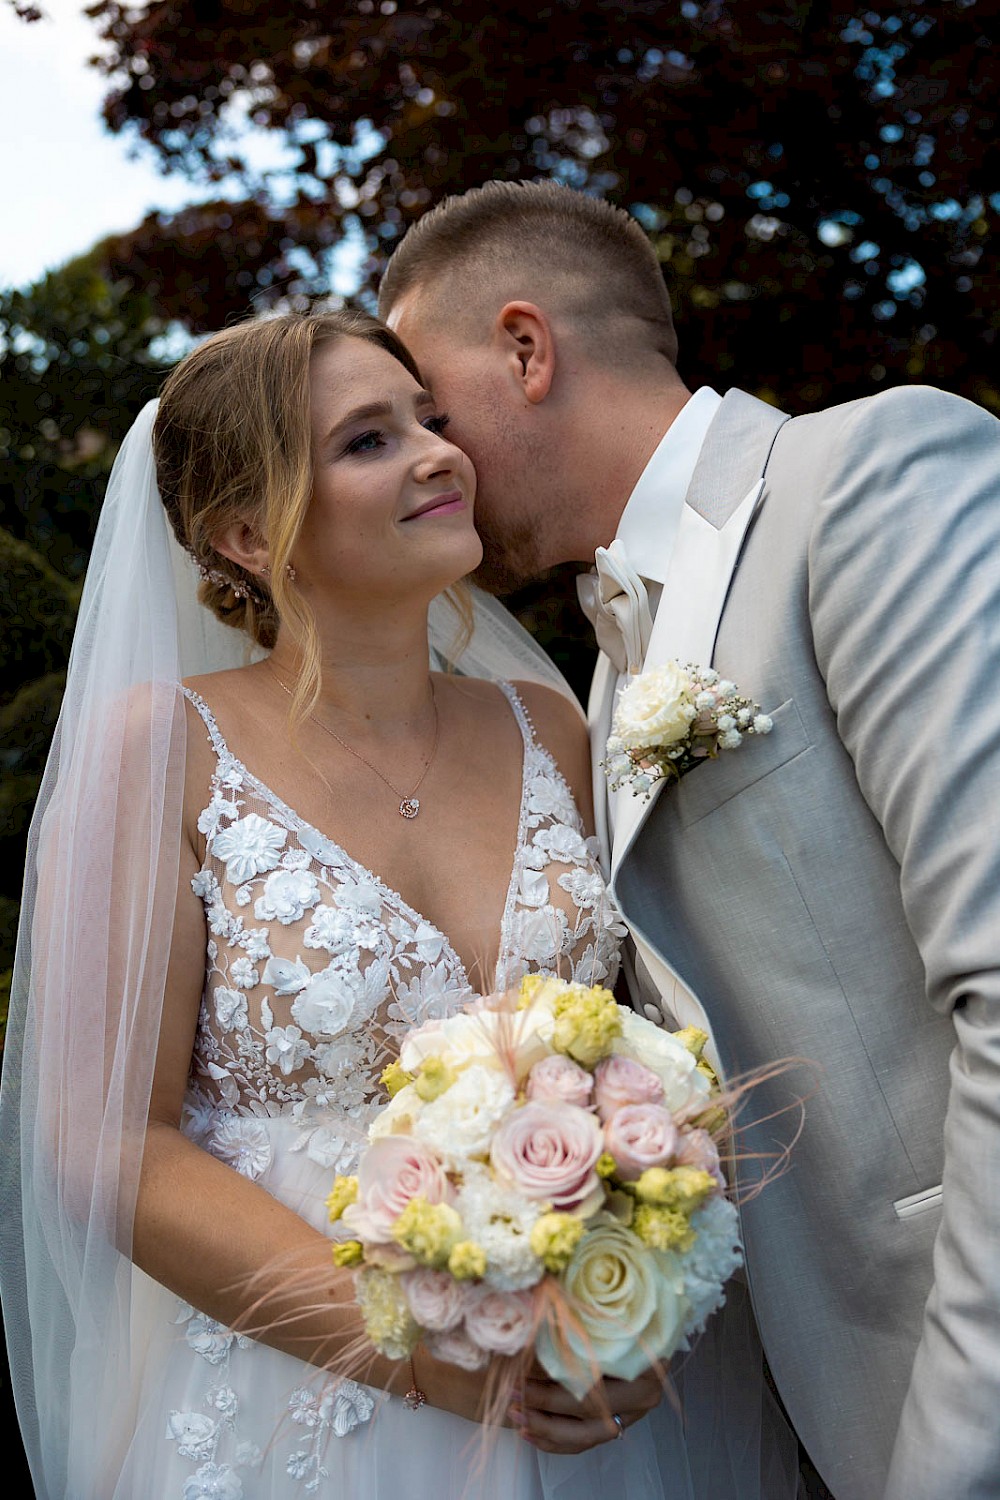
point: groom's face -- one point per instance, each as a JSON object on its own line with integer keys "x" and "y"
{"x": 467, "y": 379}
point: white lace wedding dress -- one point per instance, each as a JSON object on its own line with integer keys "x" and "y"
{"x": 314, "y": 968}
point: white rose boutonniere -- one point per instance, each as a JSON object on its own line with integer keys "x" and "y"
{"x": 671, "y": 718}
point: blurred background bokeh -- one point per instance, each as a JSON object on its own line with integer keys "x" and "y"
{"x": 820, "y": 182}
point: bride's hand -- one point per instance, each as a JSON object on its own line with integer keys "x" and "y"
{"x": 553, "y": 1420}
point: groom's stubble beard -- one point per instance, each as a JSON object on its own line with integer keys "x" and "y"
{"x": 510, "y": 556}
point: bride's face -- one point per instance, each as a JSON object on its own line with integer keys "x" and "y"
{"x": 391, "y": 513}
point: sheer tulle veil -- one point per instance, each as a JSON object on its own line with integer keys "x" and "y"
{"x": 93, "y": 946}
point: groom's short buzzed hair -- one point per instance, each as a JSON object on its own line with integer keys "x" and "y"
{"x": 539, "y": 242}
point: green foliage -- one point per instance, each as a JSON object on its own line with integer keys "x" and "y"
{"x": 76, "y": 365}
{"x": 77, "y": 362}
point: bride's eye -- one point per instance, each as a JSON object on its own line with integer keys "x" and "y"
{"x": 365, "y": 442}
{"x": 437, "y": 424}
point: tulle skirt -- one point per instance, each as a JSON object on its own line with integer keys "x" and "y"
{"x": 209, "y": 1415}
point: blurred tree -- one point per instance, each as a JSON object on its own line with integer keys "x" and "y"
{"x": 819, "y": 180}
{"x": 78, "y": 358}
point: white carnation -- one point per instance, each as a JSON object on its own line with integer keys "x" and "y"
{"x": 462, "y": 1120}
{"x": 500, "y": 1220}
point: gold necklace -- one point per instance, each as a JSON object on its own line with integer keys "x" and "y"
{"x": 409, "y": 804}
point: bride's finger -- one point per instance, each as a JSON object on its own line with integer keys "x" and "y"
{"x": 554, "y": 1433}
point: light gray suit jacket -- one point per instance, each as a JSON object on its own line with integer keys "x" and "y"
{"x": 832, "y": 892}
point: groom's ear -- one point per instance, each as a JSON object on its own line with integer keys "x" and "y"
{"x": 525, "y": 337}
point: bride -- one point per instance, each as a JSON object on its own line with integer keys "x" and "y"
{"x": 269, "y": 839}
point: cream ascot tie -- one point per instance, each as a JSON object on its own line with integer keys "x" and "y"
{"x": 615, "y": 601}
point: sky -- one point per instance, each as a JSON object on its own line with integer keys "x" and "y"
{"x": 66, "y": 180}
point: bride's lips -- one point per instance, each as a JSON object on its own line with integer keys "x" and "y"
{"x": 441, "y": 505}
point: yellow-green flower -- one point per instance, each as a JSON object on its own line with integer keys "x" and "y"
{"x": 388, "y": 1321}
{"x": 663, "y": 1228}
{"x": 434, "y": 1078}
{"x": 530, "y": 985}
{"x": 605, "y": 1165}
{"x": 694, "y": 1039}
{"x": 428, "y": 1231}
{"x": 348, "y": 1253}
{"x": 345, "y": 1191}
{"x": 394, "y": 1078}
{"x": 554, "y": 1237}
{"x": 467, "y": 1261}
{"x": 587, "y": 1022}
{"x": 683, "y": 1188}
{"x": 707, "y": 1071}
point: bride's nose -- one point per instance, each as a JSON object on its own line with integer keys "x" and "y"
{"x": 437, "y": 456}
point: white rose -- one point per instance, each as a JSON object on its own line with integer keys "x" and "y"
{"x": 664, "y": 1055}
{"x": 628, "y": 1311}
{"x": 655, "y": 708}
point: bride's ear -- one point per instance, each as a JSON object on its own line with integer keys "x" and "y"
{"x": 525, "y": 337}
{"x": 243, "y": 545}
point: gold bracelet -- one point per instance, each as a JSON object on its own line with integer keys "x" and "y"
{"x": 415, "y": 1397}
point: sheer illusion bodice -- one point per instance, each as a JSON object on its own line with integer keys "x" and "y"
{"x": 315, "y": 967}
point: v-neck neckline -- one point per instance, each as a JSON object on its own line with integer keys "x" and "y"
{"x": 355, "y": 866}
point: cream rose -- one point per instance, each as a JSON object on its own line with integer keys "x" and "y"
{"x": 489, "y": 1038}
{"x": 628, "y": 1310}
{"x": 655, "y": 708}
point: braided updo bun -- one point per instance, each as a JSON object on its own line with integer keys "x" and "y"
{"x": 232, "y": 444}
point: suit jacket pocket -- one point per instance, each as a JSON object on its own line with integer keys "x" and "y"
{"x": 918, "y": 1203}
{"x": 710, "y": 786}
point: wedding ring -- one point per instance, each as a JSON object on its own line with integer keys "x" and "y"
{"x": 619, "y": 1424}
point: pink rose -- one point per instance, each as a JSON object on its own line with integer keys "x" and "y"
{"x": 640, "y": 1136}
{"x": 437, "y": 1301}
{"x": 697, "y": 1149}
{"x": 393, "y": 1170}
{"x": 456, "y": 1348}
{"x": 502, "y": 1322}
{"x": 548, "y": 1151}
{"x": 559, "y": 1079}
{"x": 620, "y": 1080}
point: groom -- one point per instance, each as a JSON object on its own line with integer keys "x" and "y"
{"x": 832, "y": 890}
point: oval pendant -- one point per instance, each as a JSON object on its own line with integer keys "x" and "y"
{"x": 409, "y": 807}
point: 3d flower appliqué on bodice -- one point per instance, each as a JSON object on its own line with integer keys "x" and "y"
{"x": 315, "y": 967}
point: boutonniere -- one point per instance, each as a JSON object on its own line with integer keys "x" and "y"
{"x": 670, "y": 719}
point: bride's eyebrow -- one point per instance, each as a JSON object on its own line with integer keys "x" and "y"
{"x": 373, "y": 409}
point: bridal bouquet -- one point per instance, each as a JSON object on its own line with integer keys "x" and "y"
{"x": 670, "y": 719}
{"x": 543, "y": 1183}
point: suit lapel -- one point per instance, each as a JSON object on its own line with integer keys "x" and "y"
{"x": 599, "y": 712}
{"x": 725, "y": 492}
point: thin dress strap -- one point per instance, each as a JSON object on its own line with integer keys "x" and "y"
{"x": 520, "y": 713}
{"x": 218, "y": 743}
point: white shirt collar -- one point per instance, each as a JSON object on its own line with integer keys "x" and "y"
{"x": 649, "y": 522}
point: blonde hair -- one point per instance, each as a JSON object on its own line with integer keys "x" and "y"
{"x": 540, "y": 240}
{"x": 232, "y": 443}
